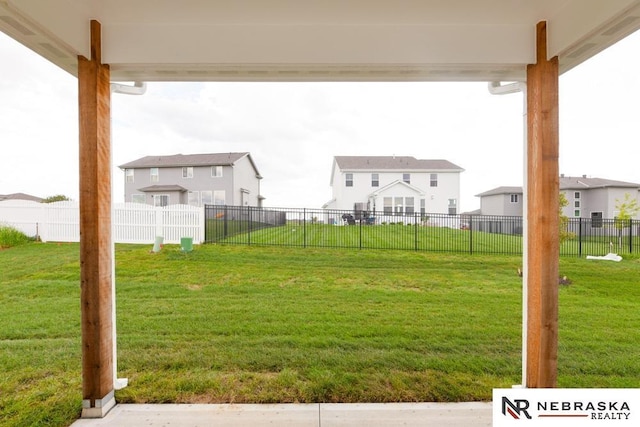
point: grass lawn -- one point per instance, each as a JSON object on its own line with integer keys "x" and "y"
{"x": 268, "y": 324}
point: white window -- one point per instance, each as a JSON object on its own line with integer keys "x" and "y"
{"x": 596, "y": 219}
{"x": 423, "y": 206}
{"x": 128, "y": 175}
{"x": 375, "y": 180}
{"x": 409, "y": 205}
{"x": 348, "y": 180}
{"x": 187, "y": 172}
{"x": 160, "y": 200}
{"x": 433, "y": 182}
{"x": 398, "y": 207}
{"x": 514, "y": 198}
{"x": 576, "y": 195}
{"x": 219, "y": 197}
{"x": 194, "y": 198}
{"x": 576, "y": 213}
{"x": 206, "y": 197}
{"x": 216, "y": 171}
{"x": 154, "y": 174}
{"x": 406, "y": 177}
{"x": 138, "y": 198}
{"x": 388, "y": 205}
{"x": 453, "y": 206}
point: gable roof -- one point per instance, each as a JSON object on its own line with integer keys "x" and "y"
{"x": 395, "y": 184}
{"x": 185, "y": 160}
{"x": 20, "y": 196}
{"x": 394, "y": 163}
{"x": 569, "y": 183}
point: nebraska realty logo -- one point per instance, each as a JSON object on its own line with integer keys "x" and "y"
{"x": 566, "y": 407}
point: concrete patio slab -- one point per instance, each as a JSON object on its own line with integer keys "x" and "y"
{"x": 468, "y": 414}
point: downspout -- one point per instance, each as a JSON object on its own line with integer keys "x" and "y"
{"x": 139, "y": 88}
{"x": 498, "y": 88}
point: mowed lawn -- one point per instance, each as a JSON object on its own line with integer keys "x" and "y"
{"x": 266, "y": 324}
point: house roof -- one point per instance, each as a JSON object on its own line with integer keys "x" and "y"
{"x": 20, "y": 196}
{"x": 394, "y": 163}
{"x": 185, "y": 160}
{"x": 157, "y": 188}
{"x": 318, "y": 40}
{"x": 569, "y": 183}
{"x": 180, "y": 160}
{"x": 397, "y": 183}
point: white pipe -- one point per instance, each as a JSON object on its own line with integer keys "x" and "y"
{"x": 497, "y": 88}
{"x": 138, "y": 88}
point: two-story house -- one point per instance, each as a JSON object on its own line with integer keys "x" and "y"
{"x": 394, "y": 185}
{"x": 594, "y": 198}
{"x": 194, "y": 179}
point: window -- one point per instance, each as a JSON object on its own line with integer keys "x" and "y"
{"x": 408, "y": 205}
{"x": 348, "y": 180}
{"x": 423, "y": 206}
{"x": 375, "y": 180}
{"x": 388, "y": 205}
{"x": 596, "y": 219}
{"x": 433, "y": 182}
{"x": 160, "y": 200}
{"x": 138, "y": 198}
{"x": 576, "y": 195}
{"x": 154, "y": 174}
{"x": 216, "y": 171}
{"x": 194, "y": 198}
{"x": 514, "y": 198}
{"x": 406, "y": 177}
{"x": 128, "y": 175}
{"x": 452, "y": 206}
{"x": 576, "y": 213}
{"x": 576, "y": 204}
{"x": 219, "y": 197}
{"x": 187, "y": 172}
{"x": 206, "y": 197}
{"x": 398, "y": 208}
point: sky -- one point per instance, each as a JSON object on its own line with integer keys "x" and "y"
{"x": 293, "y": 130}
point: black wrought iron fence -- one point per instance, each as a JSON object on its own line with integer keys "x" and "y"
{"x": 407, "y": 231}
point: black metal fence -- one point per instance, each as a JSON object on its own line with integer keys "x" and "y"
{"x": 416, "y": 231}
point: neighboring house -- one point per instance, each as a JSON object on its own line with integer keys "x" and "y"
{"x": 594, "y": 198}
{"x": 193, "y": 179}
{"x": 20, "y": 196}
{"x": 394, "y": 185}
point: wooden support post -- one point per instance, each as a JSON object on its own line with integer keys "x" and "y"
{"x": 543, "y": 244}
{"x": 94, "y": 97}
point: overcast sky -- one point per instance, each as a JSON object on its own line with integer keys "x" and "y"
{"x": 293, "y": 130}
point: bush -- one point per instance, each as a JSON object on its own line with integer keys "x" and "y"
{"x": 9, "y": 237}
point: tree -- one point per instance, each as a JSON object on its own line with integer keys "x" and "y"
{"x": 564, "y": 234}
{"x": 627, "y": 209}
{"x": 56, "y": 198}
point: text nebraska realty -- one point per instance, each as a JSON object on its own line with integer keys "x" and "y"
{"x": 594, "y": 410}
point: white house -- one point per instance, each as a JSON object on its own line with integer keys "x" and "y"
{"x": 394, "y": 185}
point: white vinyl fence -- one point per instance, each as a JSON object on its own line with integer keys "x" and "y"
{"x": 132, "y": 222}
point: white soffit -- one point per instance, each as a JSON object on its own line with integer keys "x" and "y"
{"x": 318, "y": 40}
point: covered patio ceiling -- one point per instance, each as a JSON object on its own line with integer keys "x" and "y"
{"x": 328, "y": 40}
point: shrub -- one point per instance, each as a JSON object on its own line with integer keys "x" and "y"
{"x": 9, "y": 236}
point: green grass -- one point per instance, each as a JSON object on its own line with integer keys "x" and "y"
{"x": 10, "y": 237}
{"x": 267, "y": 324}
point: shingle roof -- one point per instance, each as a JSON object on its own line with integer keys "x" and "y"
{"x": 501, "y": 190}
{"x": 20, "y": 196}
{"x": 155, "y": 188}
{"x": 177, "y": 160}
{"x": 568, "y": 183}
{"x": 407, "y": 163}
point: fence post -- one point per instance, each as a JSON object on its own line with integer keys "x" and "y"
{"x": 249, "y": 225}
{"x": 580, "y": 237}
{"x": 360, "y": 231}
{"x": 304, "y": 227}
{"x": 630, "y": 234}
{"x": 224, "y": 223}
{"x": 415, "y": 233}
{"x": 471, "y": 234}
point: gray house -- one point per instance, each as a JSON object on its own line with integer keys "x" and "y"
{"x": 194, "y": 179}
{"x": 594, "y": 198}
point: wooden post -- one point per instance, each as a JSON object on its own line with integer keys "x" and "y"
{"x": 543, "y": 247}
{"x": 94, "y": 97}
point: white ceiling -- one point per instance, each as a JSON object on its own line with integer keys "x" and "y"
{"x": 318, "y": 40}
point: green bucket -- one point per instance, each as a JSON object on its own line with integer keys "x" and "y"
{"x": 186, "y": 244}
